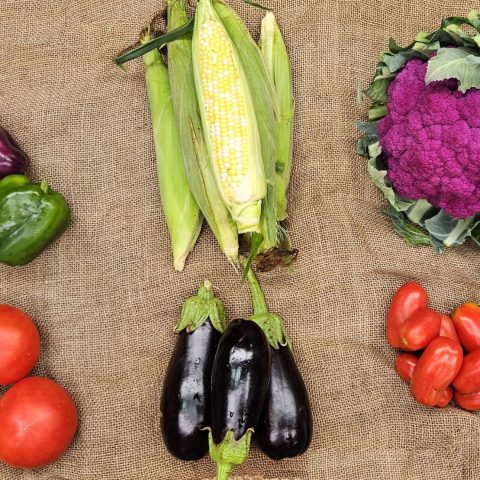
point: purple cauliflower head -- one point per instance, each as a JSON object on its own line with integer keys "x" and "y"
{"x": 431, "y": 141}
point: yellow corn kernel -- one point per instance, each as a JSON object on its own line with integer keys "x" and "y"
{"x": 229, "y": 120}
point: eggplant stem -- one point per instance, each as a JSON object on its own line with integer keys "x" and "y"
{"x": 271, "y": 323}
{"x": 205, "y": 292}
{"x": 223, "y": 471}
{"x": 258, "y": 298}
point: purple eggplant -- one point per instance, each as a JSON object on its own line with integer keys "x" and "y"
{"x": 240, "y": 377}
{"x": 185, "y": 402}
{"x": 286, "y": 426}
{"x": 12, "y": 158}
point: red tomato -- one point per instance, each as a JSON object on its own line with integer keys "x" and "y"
{"x": 468, "y": 379}
{"x": 38, "y": 420}
{"x": 445, "y": 398}
{"x": 447, "y": 329}
{"x": 466, "y": 319}
{"x": 405, "y": 365}
{"x": 435, "y": 370}
{"x": 468, "y": 402}
{"x": 19, "y": 344}
{"x": 408, "y": 299}
{"x": 420, "y": 329}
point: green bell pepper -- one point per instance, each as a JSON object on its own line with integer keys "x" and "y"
{"x": 31, "y": 217}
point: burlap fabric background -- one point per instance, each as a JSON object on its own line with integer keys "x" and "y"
{"x": 105, "y": 297}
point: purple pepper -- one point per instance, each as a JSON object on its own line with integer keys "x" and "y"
{"x": 12, "y": 158}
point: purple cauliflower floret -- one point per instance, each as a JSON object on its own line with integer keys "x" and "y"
{"x": 431, "y": 141}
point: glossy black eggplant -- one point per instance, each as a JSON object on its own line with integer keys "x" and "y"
{"x": 185, "y": 403}
{"x": 286, "y": 426}
{"x": 240, "y": 378}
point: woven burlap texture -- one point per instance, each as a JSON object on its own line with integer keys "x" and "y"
{"x": 105, "y": 296}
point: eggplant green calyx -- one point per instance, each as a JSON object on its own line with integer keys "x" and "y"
{"x": 200, "y": 308}
{"x": 229, "y": 452}
{"x": 272, "y": 324}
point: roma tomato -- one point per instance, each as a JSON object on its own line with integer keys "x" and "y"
{"x": 38, "y": 420}
{"x": 468, "y": 402}
{"x": 405, "y": 365}
{"x": 468, "y": 379}
{"x": 19, "y": 344}
{"x": 420, "y": 329}
{"x": 438, "y": 365}
{"x": 466, "y": 319}
{"x": 408, "y": 299}
{"x": 445, "y": 398}
{"x": 447, "y": 329}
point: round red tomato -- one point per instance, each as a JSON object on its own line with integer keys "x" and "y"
{"x": 19, "y": 344}
{"x": 38, "y": 420}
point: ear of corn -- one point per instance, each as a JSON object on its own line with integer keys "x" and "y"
{"x": 201, "y": 177}
{"x": 182, "y": 214}
{"x": 266, "y": 108}
{"x": 276, "y": 59}
{"x": 229, "y": 118}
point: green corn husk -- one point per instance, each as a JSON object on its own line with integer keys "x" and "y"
{"x": 182, "y": 213}
{"x": 266, "y": 110}
{"x": 197, "y": 162}
{"x": 276, "y": 58}
{"x": 219, "y": 74}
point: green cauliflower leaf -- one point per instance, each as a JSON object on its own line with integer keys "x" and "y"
{"x": 459, "y": 63}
